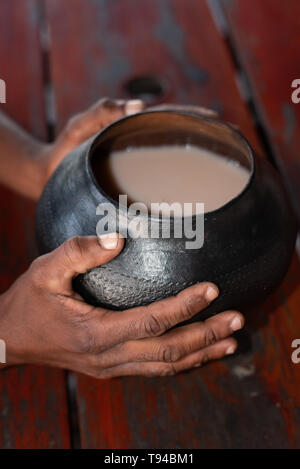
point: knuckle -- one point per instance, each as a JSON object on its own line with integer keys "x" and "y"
{"x": 210, "y": 337}
{"x": 37, "y": 272}
{"x": 189, "y": 306}
{"x": 95, "y": 367}
{"x": 186, "y": 307}
{"x": 167, "y": 370}
{"x": 169, "y": 353}
{"x": 153, "y": 326}
{"x": 73, "y": 249}
{"x": 73, "y": 128}
{"x": 95, "y": 362}
{"x": 145, "y": 355}
{"x": 84, "y": 341}
{"x": 107, "y": 103}
{"x": 204, "y": 359}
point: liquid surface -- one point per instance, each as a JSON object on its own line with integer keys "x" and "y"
{"x": 184, "y": 174}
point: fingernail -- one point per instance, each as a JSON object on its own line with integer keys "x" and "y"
{"x": 211, "y": 293}
{"x": 197, "y": 365}
{"x": 109, "y": 240}
{"x": 230, "y": 350}
{"x": 133, "y": 106}
{"x": 236, "y": 324}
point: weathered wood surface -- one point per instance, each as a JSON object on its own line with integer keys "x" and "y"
{"x": 250, "y": 400}
{"x": 266, "y": 37}
{"x": 33, "y": 410}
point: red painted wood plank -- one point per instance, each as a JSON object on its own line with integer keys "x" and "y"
{"x": 33, "y": 409}
{"x": 117, "y": 41}
{"x": 266, "y": 36}
{"x": 249, "y": 400}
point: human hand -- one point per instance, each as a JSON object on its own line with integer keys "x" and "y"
{"x": 43, "y": 321}
{"x": 27, "y": 163}
{"x": 83, "y": 126}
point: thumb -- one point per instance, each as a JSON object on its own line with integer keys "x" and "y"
{"x": 76, "y": 256}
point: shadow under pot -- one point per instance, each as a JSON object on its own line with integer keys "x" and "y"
{"x": 248, "y": 242}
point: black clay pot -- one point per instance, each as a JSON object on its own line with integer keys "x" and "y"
{"x": 248, "y": 243}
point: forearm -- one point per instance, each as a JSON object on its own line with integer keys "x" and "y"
{"x": 26, "y": 164}
{"x": 19, "y": 159}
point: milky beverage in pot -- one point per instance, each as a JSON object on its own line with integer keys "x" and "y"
{"x": 183, "y": 174}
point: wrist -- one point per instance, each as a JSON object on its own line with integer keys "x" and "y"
{"x": 42, "y": 167}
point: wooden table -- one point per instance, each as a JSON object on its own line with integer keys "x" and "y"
{"x": 238, "y": 57}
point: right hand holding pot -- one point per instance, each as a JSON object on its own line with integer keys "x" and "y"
{"x": 43, "y": 321}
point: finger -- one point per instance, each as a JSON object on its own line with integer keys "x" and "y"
{"x": 194, "y": 360}
{"x": 177, "y": 343}
{"x": 86, "y": 124}
{"x": 156, "y": 318}
{"x": 104, "y": 112}
{"x": 75, "y": 256}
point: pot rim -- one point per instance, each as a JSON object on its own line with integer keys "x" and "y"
{"x": 209, "y": 214}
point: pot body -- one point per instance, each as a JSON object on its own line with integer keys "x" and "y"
{"x": 248, "y": 243}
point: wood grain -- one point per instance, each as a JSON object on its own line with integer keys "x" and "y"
{"x": 33, "y": 409}
{"x": 266, "y": 37}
